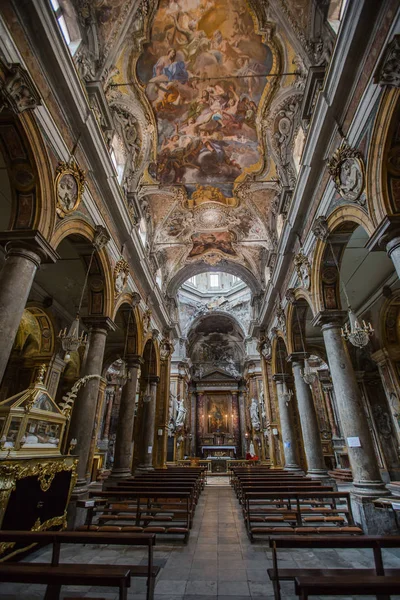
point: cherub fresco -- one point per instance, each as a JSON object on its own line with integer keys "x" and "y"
{"x": 205, "y": 70}
{"x": 210, "y": 242}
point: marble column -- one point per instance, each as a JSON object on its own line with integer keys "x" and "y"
{"x": 110, "y": 395}
{"x": 242, "y": 419}
{"x": 393, "y": 250}
{"x": 148, "y": 420}
{"x": 308, "y": 419}
{"x": 353, "y": 418}
{"x": 84, "y": 411}
{"x": 193, "y": 421}
{"x": 22, "y": 260}
{"x": 287, "y": 429}
{"x": 124, "y": 438}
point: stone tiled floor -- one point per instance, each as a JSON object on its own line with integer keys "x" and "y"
{"x": 218, "y": 560}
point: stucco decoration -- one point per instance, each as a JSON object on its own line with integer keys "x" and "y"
{"x": 320, "y": 228}
{"x": 121, "y": 274}
{"x": 303, "y": 269}
{"x": 69, "y": 185}
{"x": 388, "y": 71}
{"x": 346, "y": 167}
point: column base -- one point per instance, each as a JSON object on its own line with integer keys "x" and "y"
{"x": 318, "y": 474}
{"x": 293, "y": 467}
{"x": 76, "y": 516}
{"x": 122, "y": 473}
{"x": 372, "y": 520}
{"x": 144, "y": 468}
{"x": 370, "y": 489}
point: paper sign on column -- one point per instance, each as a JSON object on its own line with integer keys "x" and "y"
{"x": 353, "y": 442}
{"x": 149, "y": 449}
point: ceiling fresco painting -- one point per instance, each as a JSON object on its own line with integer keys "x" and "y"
{"x": 213, "y": 90}
{"x": 204, "y": 72}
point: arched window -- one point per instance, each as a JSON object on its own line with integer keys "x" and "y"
{"x": 68, "y": 24}
{"x": 118, "y": 156}
{"x": 143, "y": 231}
{"x": 335, "y": 13}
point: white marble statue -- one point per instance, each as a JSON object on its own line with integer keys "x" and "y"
{"x": 255, "y": 419}
{"x": 252, "y": 450}
{"x": 181, "y": 413}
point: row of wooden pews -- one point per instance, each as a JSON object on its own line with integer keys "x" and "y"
{"x": 311, "y": 515}
{"x": 279, "y": 502}
{"x": 162, "y": 502}
{"x": 56, "y": 574}
{"x": 379, "y": 581}
{"x": 132, "y": 512}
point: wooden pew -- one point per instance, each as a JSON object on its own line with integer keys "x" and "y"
{"x": 145, "y": 505}
{"x": 319, "y": 512}
{"x": 374, "y": 542}
{"x": 381, "y": 586}
{"x": 55, "y": 574}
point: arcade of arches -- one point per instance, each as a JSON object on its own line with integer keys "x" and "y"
{"x": 200, "y": 241}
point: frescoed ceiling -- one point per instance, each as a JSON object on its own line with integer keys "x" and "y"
{"x": 207, "y": 95}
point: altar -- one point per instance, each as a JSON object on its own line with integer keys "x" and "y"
{"x": 219, "y": 451}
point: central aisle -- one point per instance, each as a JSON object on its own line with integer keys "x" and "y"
{"x": 219, "y": 558}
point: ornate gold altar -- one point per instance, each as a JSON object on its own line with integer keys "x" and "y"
{"x": 36, "y": 481}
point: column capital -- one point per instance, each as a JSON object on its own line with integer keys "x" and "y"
{"x": 134, "y": 361}
{"x": 282, "y": 377}
{"x": 385, "y": 234}
{"x": 330, "y": 318}
{"x": 31, "y": 241}
{"x": 153, "y": 379}
{"x": 99, "y": 322}
{"x": 298, "y": 357}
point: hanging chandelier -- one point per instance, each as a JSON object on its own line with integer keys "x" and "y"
{"x": 287, "y": 394}
{"x": 306, "y": 373}
{"x": 72, "y": 341}
{"x": 358, "y": 336}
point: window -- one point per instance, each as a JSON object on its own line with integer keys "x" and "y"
{"x": 214, "y": 280}
{"x": 118, "y": 157}
{"x": 69, "y": 28}
{"x": 193, "y": 281}
{"x": 142, "y": 231}
{"x": 159, "y": 278}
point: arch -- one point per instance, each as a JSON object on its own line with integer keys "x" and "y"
{"x": 191, "y": 270}
{"x": 276, "y": 366}
{"x": 216, "y": 313}
{"x": 347, "y": 218}
{"x": 127, "y": 298}
{"x": 31, "y": 173}
{"x": 151, "y": 359}
{"x": 377, "y": 175}
{"x": 79, "y": 226}
{"x": 302, "y": 297}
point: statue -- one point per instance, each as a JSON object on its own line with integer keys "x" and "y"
{"x": 180, "y": 417}
{"x": 255, "y": 420}
{"x": 252, "y": 450}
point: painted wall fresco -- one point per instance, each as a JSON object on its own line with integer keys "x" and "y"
{"x": 204, "y": 71}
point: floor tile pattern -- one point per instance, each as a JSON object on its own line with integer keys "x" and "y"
{"x": 218, "y": 561}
